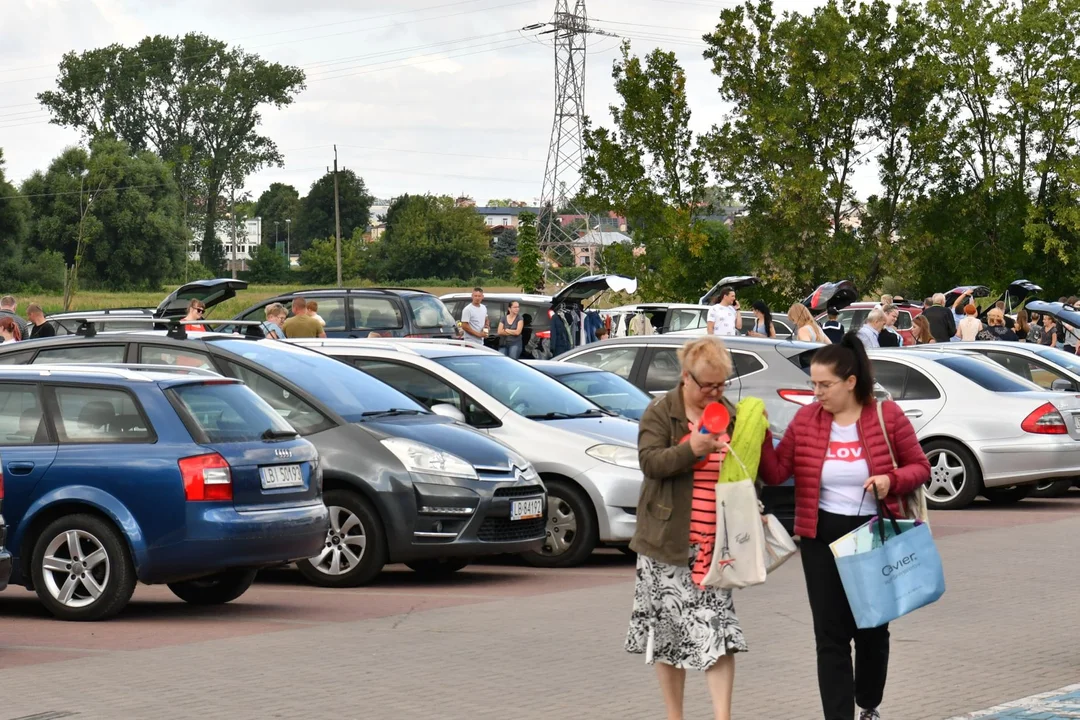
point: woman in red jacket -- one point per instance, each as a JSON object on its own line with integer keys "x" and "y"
{"x": 840, "y": 456}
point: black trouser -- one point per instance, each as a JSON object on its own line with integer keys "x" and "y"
{"x": 841, "y": 686}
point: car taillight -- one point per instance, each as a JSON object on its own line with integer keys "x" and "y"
{"x": 1045, "y": 420}
{"x": 206, "y": 477}
{"x": 799, "y": 397}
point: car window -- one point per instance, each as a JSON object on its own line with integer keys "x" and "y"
{"x": 495, "y": 310}
{"x": 891, "y": 376}
{"x": 782, "y": 327}
{"x": 687, "y": 320}
{"x": 536, "y": 316}
{"x": 181, "y": 357}
{"x": 224, "y": 413}
{"x": 99, "y": 415}
{"x": 746, "y": 363}
{"x": 615, "y": 359}
{"x": 903, "y": 320}
{"x": 1029, "y": 369}
{"x": 853, "y": 319}
{"x": 374, "y": 313}
{"x": 331, "y": 309}
{"x": 426, "y": 389}
{"x": 258, "y": 314}
{"x": 428, "y": 312}
{"x": 16, "y": 358}
{"x": 298, "y": 413}
{"x": 664, "y": 370}
{"x": 609, "y": 391}
{"x": 1069, "y": 361}
{"x": 82, "y": 354}
{"x": 987, "y": 374}
{"x": 454, "y": 307}
{"x": 919, "y": 387}
{"x": 523, "y": 389}
{"x": 21, "y": 419}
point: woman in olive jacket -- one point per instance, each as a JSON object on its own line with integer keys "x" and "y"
{"x": 676, "y": 623}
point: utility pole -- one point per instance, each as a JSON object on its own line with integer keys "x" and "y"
{"x": 277, "y": 236}
{"x": 232, "y": 218}
{"x": 288, "y": 241}
{"x": 337, "y": 219}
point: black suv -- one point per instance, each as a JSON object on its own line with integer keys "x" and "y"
{"x": 369, "y": 312}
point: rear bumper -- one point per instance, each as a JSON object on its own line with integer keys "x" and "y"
{"x": 5, "y": 568}
{"x": 1014, "y": 464}
{"x": 220, "y": 537}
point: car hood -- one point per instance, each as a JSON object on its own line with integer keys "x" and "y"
{"x": 443, "y": 434}
{"x": 617, "y": 430}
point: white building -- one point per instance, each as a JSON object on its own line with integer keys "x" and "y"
{"x": 247, "y": 239}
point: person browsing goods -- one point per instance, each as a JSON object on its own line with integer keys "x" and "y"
{"x": 39, "y": 328}
{"x": 724, "y": 317}
{"x": 474, "y": 318}
{"x": 301, "y": 324}
{"x": 196, "y": 311}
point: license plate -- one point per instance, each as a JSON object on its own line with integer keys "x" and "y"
{"x": 527, "y": 509}
{"x": 1076, "y": 421}
{"x": 281, "y": 476}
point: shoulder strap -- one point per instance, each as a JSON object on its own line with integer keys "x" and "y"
{"x": 885, "y": 432}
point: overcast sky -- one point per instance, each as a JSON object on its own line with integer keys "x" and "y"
{"x": 469, "y": 116}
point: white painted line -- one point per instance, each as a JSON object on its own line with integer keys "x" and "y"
{"x": 1052, "y": 702}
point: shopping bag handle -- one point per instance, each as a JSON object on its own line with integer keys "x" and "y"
{"x": 884, "y": 513}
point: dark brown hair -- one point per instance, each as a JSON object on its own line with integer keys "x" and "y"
{"x": 848, "y": 358}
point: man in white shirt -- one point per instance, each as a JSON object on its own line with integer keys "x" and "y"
{"x": 474, "y": 319}
{"x": 868, "y": 333}
{"x": 724, "y": 316}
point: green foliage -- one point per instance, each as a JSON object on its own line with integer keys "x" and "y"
{"x": 278, "y": 203}
{"x": 428, "y": 236}
{"x": 268, "y": 266}
{"x": 114, "y": 214}
{"x": 27, "y": 272}
{"x": 527, "y": 273}
{"x": 14, "y": 212}
{"x": 319, "y": 262}
{"x": 316, "y": 218}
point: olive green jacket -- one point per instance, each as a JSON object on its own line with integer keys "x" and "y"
{"x": 663, "y": 512}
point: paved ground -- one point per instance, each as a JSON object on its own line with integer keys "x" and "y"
{"x": 503, "y": 641}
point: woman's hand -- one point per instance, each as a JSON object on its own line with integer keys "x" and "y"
{"x": 704, "y": 443}
{"x": 881, "y": 482}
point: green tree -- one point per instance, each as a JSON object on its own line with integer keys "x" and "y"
{"x": 316, "y": 218}
{"x": 319, "y": 262}
{"x": 15, "y": 212}
{"x": 192, "y": 99}
{"x": 114, "y": 214}
{"x": 504, "y": 249}
{"x": 528, "y": 273}
{"x": 279, "y": 203}
{"x": 269, "y": 266}
{"x": 428, "y": 236}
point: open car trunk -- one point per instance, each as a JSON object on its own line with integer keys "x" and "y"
{"x": 590, "y": 286}
{"x": 977, "y": 291}
{"x": 838, "y": 294}
{"x": 736, "y": 282}
{"x": 1018, "y": 292}
{"x": 210, "y": 292}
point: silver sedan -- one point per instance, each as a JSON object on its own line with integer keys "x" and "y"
{"x": 985, "y": 430}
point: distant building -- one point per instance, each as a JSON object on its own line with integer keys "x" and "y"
{"x": 611, "y": 222}
{"x": 247, "y": 239}
{"x": 587, "y": 248}
{"x": 507, "y": 217}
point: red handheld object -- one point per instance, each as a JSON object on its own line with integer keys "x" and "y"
{"x": 715, "y": 419}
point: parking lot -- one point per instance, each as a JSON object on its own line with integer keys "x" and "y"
{"x": 503, "y": 640}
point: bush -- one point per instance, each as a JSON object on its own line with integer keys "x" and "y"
{"x": 268, "y": 266}
{"x": 34, "y": 272}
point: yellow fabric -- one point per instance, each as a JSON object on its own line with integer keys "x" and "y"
{"x": 750, "y": 427}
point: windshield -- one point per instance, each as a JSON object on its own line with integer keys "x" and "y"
{"x": 229, "y": 412}
{"x": 1069, "y": 361}
{"x": 429, "y": 312}
{"x": 610, "y": 392}
{"x": 988, "y": 374}
{"x": 346, "y": 390}
{"x": 519, "y": 387}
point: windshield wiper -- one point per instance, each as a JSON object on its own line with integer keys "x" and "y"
{"x": 273, "y": 434}
{"x": 392, "y": 412}
{"x": 568, "y": 416}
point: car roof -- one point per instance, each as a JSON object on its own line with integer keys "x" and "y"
{"x": 430, "y": 348}
{"x": 558, "y": 369}
{"x": 520, "y": 297}
{"x": 658, "y": 305}
{"x": 738, "y": 342}
{"x": 104, "y": 373}
{"x": 864, "y": 304}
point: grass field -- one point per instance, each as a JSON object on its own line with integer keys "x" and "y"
{"x": 94, "y": 300}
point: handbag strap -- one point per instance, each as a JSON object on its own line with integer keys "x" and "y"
{"x": 732, "y": 453}
{"x": 888, "y": 444}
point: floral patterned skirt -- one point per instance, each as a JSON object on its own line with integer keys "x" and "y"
{"x": 678, "y": 623}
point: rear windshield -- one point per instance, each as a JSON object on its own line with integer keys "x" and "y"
{"x": 1069, "y": 361}
{"x": 987, "y": 374}
{"x": 227, "y": 413}
{"x": 428, "y": 312}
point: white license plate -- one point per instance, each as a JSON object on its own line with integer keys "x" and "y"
{"x": 527, "y": 509}
{"x": 281, "y": 476}
{"x": 1076, "y": 421}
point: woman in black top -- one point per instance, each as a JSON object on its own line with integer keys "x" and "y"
{"x": 509, "y": 331}
{"x": 1049, "y": 333}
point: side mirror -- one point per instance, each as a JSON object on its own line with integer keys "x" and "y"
{"x": 448, "y": 411}
{"x": 1063, "y": 385}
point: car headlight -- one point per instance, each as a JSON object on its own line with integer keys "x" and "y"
{"x": 620, "y": 455}
{"x": 426, "y": 460}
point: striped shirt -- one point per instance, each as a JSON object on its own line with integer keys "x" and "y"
{"x": 703, "y": 512}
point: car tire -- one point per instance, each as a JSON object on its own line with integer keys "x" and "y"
{"x": 354, "y": 526}
{"x": 955, "y": 476}
{"x": 569, "y": 513}
{"x": 1007, "y": 495}
{"x": 437, "y": 567}
{"x": 1052, "y": 489}
{"x": 216, "y": 589}
{"x": 93, "y": 547}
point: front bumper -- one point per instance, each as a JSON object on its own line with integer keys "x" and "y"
{"x": 618, "y": 490}
{"x": 1036, "y": 459}
{"x": 219, "y": 537}
{"x": 473, "y": 518}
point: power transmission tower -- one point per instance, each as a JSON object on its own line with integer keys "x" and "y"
{"x": 566, "y": 151}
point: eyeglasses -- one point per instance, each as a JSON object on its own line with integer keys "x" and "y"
{"x": 706, "y": 387}
{"x": 822, "y": 386}
{"x": 200, "y": 310}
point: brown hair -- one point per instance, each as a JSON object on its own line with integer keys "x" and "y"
{"x": 921, "y": 329}
{"x": 1023, "y": 324}
{"x": 312, "y": 306}
{"x": 8, "y": 324}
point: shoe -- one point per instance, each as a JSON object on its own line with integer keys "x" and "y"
{"x": 870, "y": 715}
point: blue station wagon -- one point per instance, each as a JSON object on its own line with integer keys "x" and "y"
{"x": 114, "y": 476}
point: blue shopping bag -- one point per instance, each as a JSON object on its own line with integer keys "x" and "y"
{"x": 900, "y": 574}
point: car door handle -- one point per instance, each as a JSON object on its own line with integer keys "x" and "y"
{"x": 913, "y": 413}
{"x": 20, "y": 468}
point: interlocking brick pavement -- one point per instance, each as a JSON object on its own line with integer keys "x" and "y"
{"x": 504, "y": 641}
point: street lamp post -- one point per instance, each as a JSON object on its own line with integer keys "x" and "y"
{"x": 277, "y": 236}
{"x": 288, "y": 240}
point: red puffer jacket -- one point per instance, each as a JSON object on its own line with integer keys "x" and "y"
{"x": 806, "y": 442}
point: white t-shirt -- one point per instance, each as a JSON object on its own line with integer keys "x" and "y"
{"x": 844, "y": 473}
{"x": 723, "y": 319}
{"x": 475, "y": 316}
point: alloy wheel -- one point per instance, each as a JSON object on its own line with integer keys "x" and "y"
{"x": 346, "y": 543}
{"x": 76, "y": 568}
{"x": 947, "y": 475}
{"x": 561, "y": 527}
